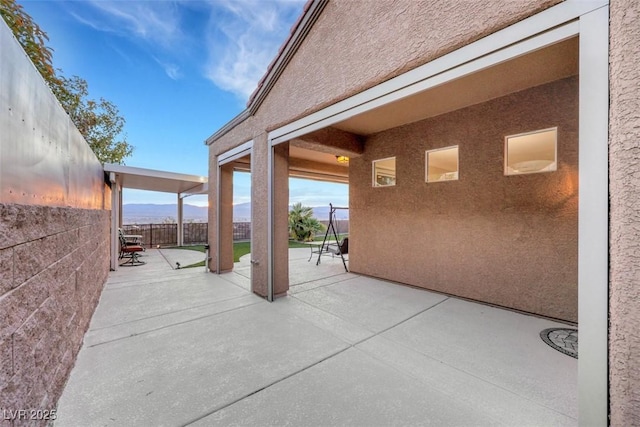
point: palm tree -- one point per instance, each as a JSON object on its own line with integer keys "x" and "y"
{"x": 302, "y": 225}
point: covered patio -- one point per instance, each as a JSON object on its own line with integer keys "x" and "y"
{"x": 122, "y": 177}
{"x": 183, "y": 347}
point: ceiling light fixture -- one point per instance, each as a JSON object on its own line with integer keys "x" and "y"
{"x": 342, "y": 159}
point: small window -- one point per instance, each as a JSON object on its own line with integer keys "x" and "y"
{"x": 384, "y": 172}
{"x": 531, "y": 152}
{"x": 442, "y": 164}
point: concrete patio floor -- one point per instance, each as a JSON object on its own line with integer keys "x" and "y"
{"x": 186, "y": 347}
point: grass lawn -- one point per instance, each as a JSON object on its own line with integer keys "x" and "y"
{"x": 240, "y": 249}
{"x": 243, "y": 248}
{"x": 199, "y": 248}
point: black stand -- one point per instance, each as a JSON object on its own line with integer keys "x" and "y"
{"x": 336, "y": 248}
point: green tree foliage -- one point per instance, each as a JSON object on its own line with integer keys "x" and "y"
{"x": 31, "y": 37}
{"x": 99, "y": 122}
{"x": 302, "y": 225}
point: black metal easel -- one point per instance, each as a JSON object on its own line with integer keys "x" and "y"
{"x": 331, "y": 228}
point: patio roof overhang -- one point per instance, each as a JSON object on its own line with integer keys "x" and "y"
{"x": 313, "y": 155}
{"x": 120, "y": 176}
{"x": 155, "y": 180}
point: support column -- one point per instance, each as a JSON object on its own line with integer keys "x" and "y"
{"x": 593, "y": 213}
{"x": 225, "y": 219}
{"x": 212, "y": 226}
{"x": 180, "y": 225}
{"x": 260, "y": 215}
{"x": 280, "y": 193}
{"x": 115, "y": 221}
{"x": 120, "y": 216}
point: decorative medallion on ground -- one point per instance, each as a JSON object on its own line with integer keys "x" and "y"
{"x": 564, "y": 340}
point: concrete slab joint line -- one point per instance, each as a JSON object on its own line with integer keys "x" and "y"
{"x": 308, "y": 367}
{"x": 221, "y": 367}
{"x": 221, "y": 407}
{"x": 172, "y": 325}
{"x": 164, "y": 314}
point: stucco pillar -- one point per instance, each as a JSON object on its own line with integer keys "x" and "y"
{"x": 259, "y": 215}
{"x": 280, "y": 219}
{"x": 220, "y": 216}
{"x": 212, "y": 229}
{"x": 226, "y": 218}
{"x": 624, "y": 192}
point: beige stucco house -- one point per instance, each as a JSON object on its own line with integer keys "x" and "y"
{"x": 493, "y": 154}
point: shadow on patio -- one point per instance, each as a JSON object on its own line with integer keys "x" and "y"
{"x": 184, "y": 347}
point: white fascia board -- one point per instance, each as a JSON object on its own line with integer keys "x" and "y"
{"x": 235, "y": 153}
{"x": 391, "y": 90}
{"x": 152, "y": 173}
{"x": 199, "y": 189}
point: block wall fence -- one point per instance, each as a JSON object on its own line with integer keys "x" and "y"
{"x": 53, "y": 264}
{"x": 54, "y": 239}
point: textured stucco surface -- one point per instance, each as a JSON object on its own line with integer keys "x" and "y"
{"x": 226, "y": 217}
{"x": 259, "y": 209}
{"x": 281, "y": 219}
{"x": 342, "y": 54}
{"x": 624, "y": 161}
{"x": 54, "y": 263}
{"x": 506, "y": 240}
{"x": 380, "y": 40}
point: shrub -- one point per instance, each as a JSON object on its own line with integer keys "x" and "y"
{"x": 302, "y": 225}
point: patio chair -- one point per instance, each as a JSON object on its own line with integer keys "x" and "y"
{"x": 128, "y": 239}
{"x": 341, "y": 249}
{"x": 131, "y": 252}
{"x": 127, "y": 242}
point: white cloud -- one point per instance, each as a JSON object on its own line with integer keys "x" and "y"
{"x": 172, "y": 70}
{"x": 243, "y": 38}
{"x": 155, "y": 22}
{"x": 233, "y": 40}
{"x": 154, "y": 25}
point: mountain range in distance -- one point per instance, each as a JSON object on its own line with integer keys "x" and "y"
{"x": 147, "y": 213}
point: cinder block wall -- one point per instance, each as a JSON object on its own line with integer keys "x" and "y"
{"x": 53, "y": 264}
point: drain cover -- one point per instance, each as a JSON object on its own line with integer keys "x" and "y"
{"x": 564, "y": 340}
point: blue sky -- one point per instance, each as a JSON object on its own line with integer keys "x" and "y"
{"x": 178, "y": 71}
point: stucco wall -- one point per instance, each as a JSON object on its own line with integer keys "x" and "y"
{"x": 624, "y": 161}
{"x": 506, "y": 240}
{"x": 341, "y": 56}
{"x": 54, "y": 237}
{"x": 356, "y": 44}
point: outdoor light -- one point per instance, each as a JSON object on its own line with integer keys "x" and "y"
{"x": 342, "y": 159}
